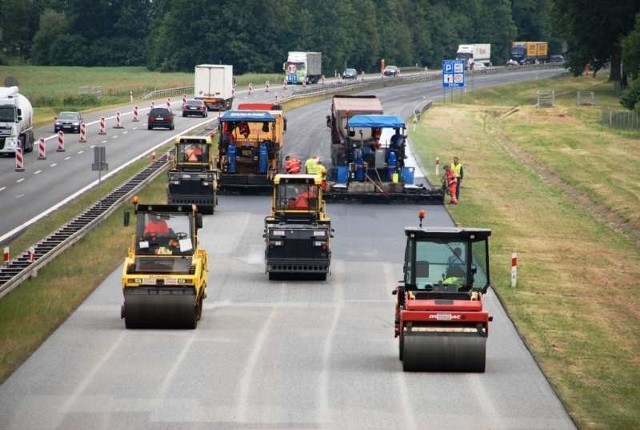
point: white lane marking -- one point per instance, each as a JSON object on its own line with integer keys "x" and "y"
{"x": 3, "y": 188}
{"x": 177, "y": 364}
{"x": 37, "y": 172}
{"x": 53, "y": 164}
{"x": 81, "y": 151}
{"x": 19, "y": 180}
{"x": 68, "y": 157}
{"x": 19, "y": 196}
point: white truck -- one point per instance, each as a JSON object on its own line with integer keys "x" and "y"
{"x": 474, "y": 53}
{"x": 214, "y": 86}
{"x": 16, "y": 122}
{"x": 303, "y": 67}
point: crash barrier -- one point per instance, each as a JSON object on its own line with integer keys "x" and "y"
{"x": 168, "y": 92}
{"x": 42, "y": 149}
{"x": 19, "y": 160}
{"x": 102, "y": 128}
{"x": 628, "y": 120}
{"x": 118, "y": 120}
{"x": 60, "y": 147}
{"x": 135, "y": 114}
{"x": 585, "y": 98}
{"x": 83, "y": 132}
{"x": 546, "y": 98}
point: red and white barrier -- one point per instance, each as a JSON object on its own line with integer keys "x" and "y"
{"x": 60, "y": 141}
{"x": 19, "y": 160}
{"x": 135, "y": 114}
{"x": 102, "y": 127}
{"x": 169, "y": 102}
{"x": 266, "y": 86}
{"x": 118, "y": 120}
{"x": 32, "y": 254}
{"x": 184, "y": 99}
{"x": 42, "y": 149}
{"x": 83, "y": 132}
{"x": 249, "y": 89}
{"x": 6, "y": 256}
{"x": 152, "y": 105}
{"x": 284, "y": 83}
{"x": 514, "y": 269}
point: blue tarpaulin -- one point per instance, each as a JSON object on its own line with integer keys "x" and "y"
{"x": 376, "y": 121}
{"x": 247, "y": 116}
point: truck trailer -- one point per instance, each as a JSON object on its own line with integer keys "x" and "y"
{"x": 16, "y": 122}
{"x": 303, "y": 67}
{"x": 214, "y": 86}
{"x": 529, "y": 52}
{"x": 474, "y": 53}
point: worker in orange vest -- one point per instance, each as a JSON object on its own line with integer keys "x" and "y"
{"x": 292, "y": 165}
{"x": 451, "y": 182}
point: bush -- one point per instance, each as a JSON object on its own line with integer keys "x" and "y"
{"x": 631, "y": 96}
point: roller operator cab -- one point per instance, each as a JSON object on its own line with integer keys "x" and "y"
{"x": 249, "y": 150}
{"x": 374, "y": 170}
{"x": 440, "y": 321}
{"x": 298, "y": 232}
{"x": 165, "y": 273}
{"x": 192, "y": 178}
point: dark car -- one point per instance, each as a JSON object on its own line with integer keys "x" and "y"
{"x": 195, "y": 107}
{"x": 160, "y": 117}
{"x": 556, "y": 59}
{"x": 391, "y": 71}
{"x": 68, "y": 122}
{"x": 350, "y": 74}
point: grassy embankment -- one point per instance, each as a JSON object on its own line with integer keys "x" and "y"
{"x": 552, "y": 184}
{"x": 563, "y": 192}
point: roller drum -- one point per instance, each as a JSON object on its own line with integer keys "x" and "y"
{"x": 160, "y": 308}
{"x": 444, "y": 352}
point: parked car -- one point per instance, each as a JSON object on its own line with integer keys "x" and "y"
{"x": 68, "y": 122}
{"x": 477, "y": 67}
{"x": 391, "y": 71}
{"x": 350, "y": 74}
{"x": 195, "y": 107}
{"x": 556, "y": 59}
{"x": 160, "y": 117}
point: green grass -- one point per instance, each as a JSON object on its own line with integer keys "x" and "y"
{"x": 556, "y": 187}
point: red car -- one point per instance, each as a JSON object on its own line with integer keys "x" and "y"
{"x": 195, "y": 107}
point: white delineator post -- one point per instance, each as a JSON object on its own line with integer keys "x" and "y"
{"x": 437, "y": 166}
{"x": 514, "y": 269}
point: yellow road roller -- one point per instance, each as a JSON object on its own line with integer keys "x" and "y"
{"x": 164, "y": 279}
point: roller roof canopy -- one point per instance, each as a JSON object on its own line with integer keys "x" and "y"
{"x": 376, "y": 121}
{"x": 247, "y": 115}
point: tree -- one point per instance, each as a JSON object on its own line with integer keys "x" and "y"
{"x": 53, "y": 25}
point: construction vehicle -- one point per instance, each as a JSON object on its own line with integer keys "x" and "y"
{"x": 164, "y": 279}
{"x": 374, "y": 170}
{"x": 249, "y": 149}
{"x": 303, "y": 67}
{"x": 16, "y": 122}
{"x": 344, "y": 107}
{"x": 529, "y": 52}
{"x": 192, "y": 178}
{"x": 298, "y": 232}
{"x": 440, "y": 321}
{"x": 213, "y": 84}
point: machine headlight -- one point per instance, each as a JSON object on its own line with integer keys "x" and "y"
{"x": 319, "y": 233}
{"x": 275, "y": 243}
{"x": 278, "y": 233}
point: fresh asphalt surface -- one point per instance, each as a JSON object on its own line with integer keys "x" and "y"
{"x": 279, "y": 355}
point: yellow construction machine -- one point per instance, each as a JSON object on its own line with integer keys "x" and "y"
{"x": 164, "y": 279}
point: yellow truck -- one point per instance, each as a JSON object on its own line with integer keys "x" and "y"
{"x": 529, "y": 52}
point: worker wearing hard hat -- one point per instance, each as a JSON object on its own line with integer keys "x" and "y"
{"x": 311, "y": 165}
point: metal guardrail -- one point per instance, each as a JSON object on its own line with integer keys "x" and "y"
{"x": 28, "y": 263}
{"x": 178, "y": 91}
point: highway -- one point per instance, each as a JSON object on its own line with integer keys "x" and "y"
{"x": 266, "y": 354}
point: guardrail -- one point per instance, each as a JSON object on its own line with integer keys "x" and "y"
{"x": 168, "y": 92}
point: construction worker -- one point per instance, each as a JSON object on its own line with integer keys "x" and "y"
{"x": 193, "y": 153}
{"x": 292, "y": 164}
{"x": 451, "y": 183}
{"x": 459, "y": 171}
{"x": 156, "y": 226}
{"x": 311, "y": 165}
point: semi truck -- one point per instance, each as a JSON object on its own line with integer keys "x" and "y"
{"x": 344, "y": 107}
{"x": 16, "y": 121}
{"x": 214, "y": 86}
{"x": 529, "y": 52}
{"x": 303, "y": 67}
{"x": 474, "y": 53}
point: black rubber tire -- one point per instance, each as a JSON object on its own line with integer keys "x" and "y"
{"x": 400, "y": 346}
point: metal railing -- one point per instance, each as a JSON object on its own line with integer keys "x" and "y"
{"x": 629, "y": 120}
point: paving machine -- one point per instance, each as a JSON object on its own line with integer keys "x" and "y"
{"x": 298, "y": 232}
{"x": 192, "y": 178}
{"x": 440, "y": 320}
{"x": 165, "y": 273}
{"x": 374, "y": 170}
{"x": 249, "y": 150}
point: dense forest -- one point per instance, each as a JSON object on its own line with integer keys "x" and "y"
{"x": 255, "y": 35}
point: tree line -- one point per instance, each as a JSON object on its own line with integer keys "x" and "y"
{"x": 255, "y": 35}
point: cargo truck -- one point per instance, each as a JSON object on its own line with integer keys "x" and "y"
{"x": 16, "y": 122}
{"x": 474, "y": 53}
{"x": 214, "y": 86}
{"x": 303, "y": 67}
{"x": 529, "y": 52}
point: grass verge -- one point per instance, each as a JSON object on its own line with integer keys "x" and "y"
{"x": 555, "y": 186}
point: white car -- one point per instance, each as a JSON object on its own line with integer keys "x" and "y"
{"x": 479, "y": 66}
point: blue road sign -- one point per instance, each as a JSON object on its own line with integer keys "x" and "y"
{"x": 452, "y": 73}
